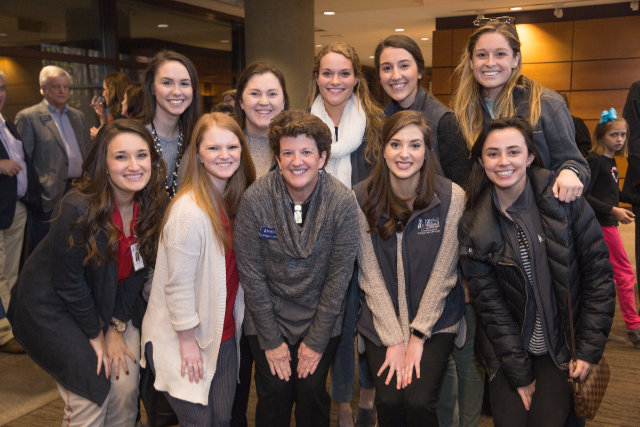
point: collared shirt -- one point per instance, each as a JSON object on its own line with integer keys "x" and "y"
{"x": 16, "y": 153}
{"x": 69, "y": 138}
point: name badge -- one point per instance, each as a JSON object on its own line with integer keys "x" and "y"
{"x": 268, "y": 233}
{"x": 45, "y": 119}
{"x": 138, "y": 262}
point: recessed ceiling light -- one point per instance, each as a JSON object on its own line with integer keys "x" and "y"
{"x": 163, "y": 25}
{"x": 371, "y": 57}
{"x": 399, "y": 29}
{"x": 329, "y": 13}
{"x": 515, "y": 8}
{"x": 424, "y": 38}
{"x": 225, "y": 41}
{"x": 318, "y": 45}
{"x": 3, "y": 34}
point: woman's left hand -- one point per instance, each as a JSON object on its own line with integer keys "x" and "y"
{"x": 413, "y": 355}
{"x": 580, "y": 369}
{"x": 307, "y": 361}
{"x": 568, "y": 186}
{"x": 190, "y": 357}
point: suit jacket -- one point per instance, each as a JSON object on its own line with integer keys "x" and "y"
{"x": 9, "y": 186}
{"x": 43, "y": 144}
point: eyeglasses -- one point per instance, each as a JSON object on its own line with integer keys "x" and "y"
{"x": 479, "y": 22}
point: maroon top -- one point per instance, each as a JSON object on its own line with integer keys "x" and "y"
{"x": 123, "y": 256}
{"x": 233, "y": 281}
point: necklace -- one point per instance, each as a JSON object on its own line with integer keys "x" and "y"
{"x": 171, "y": 190}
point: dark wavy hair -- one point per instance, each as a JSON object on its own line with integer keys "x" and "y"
{"x": 94, "y": 185}
{"x": 116, "y": 82}
{"x": 478, "y": 181}
{"x": 243, "y": 80}
{"x": 381, "y": 200}
{"x": 192, "y": 113}
{"x": 135, "y": 102}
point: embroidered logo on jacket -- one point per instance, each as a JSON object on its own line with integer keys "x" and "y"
{"x": 428, "y": 225}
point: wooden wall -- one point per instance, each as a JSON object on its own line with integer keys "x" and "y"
{"x": 593, "y": 61}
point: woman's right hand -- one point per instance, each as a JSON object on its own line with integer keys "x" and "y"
{"x": 526, "y": 394}
{"x": 190, "y": 357}
{"x": 279, "y": 360}
{"x": 100, "y": 348}
{"x": 394, "y": 360}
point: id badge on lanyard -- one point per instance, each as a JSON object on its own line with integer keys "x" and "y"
{"x": 138, "y": 262}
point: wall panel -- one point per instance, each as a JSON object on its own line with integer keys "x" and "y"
{"x": 605, "y": 74}
{"x": 547, "y": 42}
{"x": 607, "y": 38}
{"x": 441, "y": 80}
{"x": 555, "y": 75}
{"x": 589, "y": 104}
{"x": 442, "y": 48}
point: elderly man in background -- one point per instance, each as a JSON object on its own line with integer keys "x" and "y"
{"x": 18, "y": 187}
{"x": 56, "y": 137}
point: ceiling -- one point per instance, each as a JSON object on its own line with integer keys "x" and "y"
{"x": 364, "y": 23}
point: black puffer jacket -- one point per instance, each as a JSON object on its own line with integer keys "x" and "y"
{"x": 578, "y": 262}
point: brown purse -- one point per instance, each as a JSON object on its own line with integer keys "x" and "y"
{"x": 587, "y": 394}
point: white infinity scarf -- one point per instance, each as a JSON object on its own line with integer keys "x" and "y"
{"x": 350, "y": 132}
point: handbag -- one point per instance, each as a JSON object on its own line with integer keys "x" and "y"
{"x": 588, "y": 394}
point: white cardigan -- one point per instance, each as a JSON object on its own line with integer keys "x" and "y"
{"x": 188, "y": 254}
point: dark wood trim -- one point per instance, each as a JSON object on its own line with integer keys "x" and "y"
{"x": 20, "y": 52}
{"x": 543, "y": 15}
{"x": 195, "y": 10}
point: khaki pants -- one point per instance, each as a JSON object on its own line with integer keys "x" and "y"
{"x": 121, "y": 405}
{"x": 10, "y": 249}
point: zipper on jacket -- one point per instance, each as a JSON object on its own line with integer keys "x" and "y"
{"x": 526, "y": 293}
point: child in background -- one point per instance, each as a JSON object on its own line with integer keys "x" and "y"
{"x": 603, "y": 194}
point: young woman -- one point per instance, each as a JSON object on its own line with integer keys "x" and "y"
{"x": 196, "y": 307}
{"x": 340, "y": 97}
{"x": 173, "y": 105}
{"x": 414, "y": 300}
{"x": 492, "y": 86}
{"x": 262, "y": 95}
{"x": 400, "y": 65}
{"x": 77, "y": 307}
{"x": 526, "y": 255}
{"x": 296, "y": 249}
{"x": 603, "y": 194}
{"x": 113, "y": 87}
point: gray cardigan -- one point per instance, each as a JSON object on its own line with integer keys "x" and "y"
{"x": 295, "y": 278}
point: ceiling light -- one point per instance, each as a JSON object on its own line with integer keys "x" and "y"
{"x": 515, "y": 8}
{"x": 329, "y": 13}
{"x": 225, "y": 41}
{"x": 163, "y": 25}
{"x": 399, "y": 29}
{"x": 558, "y": 12}
{"x": 318, "y": 45}
{"x": 371, "y": 57}
{"x": 3, "y": 34}
{"x": 634, "y": 6}
{"x": 424, "y": 39}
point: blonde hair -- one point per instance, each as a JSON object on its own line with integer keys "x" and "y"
{"x": 467, "y": 99}
{"x": 197, "y": 179}
{"x": 373, "y": 113}
{"x": 601, "y": 130}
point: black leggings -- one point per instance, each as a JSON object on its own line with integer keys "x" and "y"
{"x": 415, "y": 405}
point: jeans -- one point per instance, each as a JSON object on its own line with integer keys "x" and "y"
{"x": 343, "y": 368}
{"x": 460, "y": 401}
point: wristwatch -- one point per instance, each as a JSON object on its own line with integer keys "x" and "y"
{"x": 118, "y": 326}
{"x": 417, "y": 333}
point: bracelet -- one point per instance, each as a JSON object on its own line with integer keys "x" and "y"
{"x": 417, "y": 333}
{"x": 572, "y": 169}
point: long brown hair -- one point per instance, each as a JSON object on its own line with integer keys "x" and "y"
{"x": 135, "y": 102}
{"x": 372, "y": 111}
{"x": 478, "y": 180}
{"x": 94, "y": 186}
{"x": 381, "y": 200}
{"x": 190, "y": 116}
{"x": 116, "y": 83}
{"x": 197, "y": 179}
{"x": 467, "y": 99}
